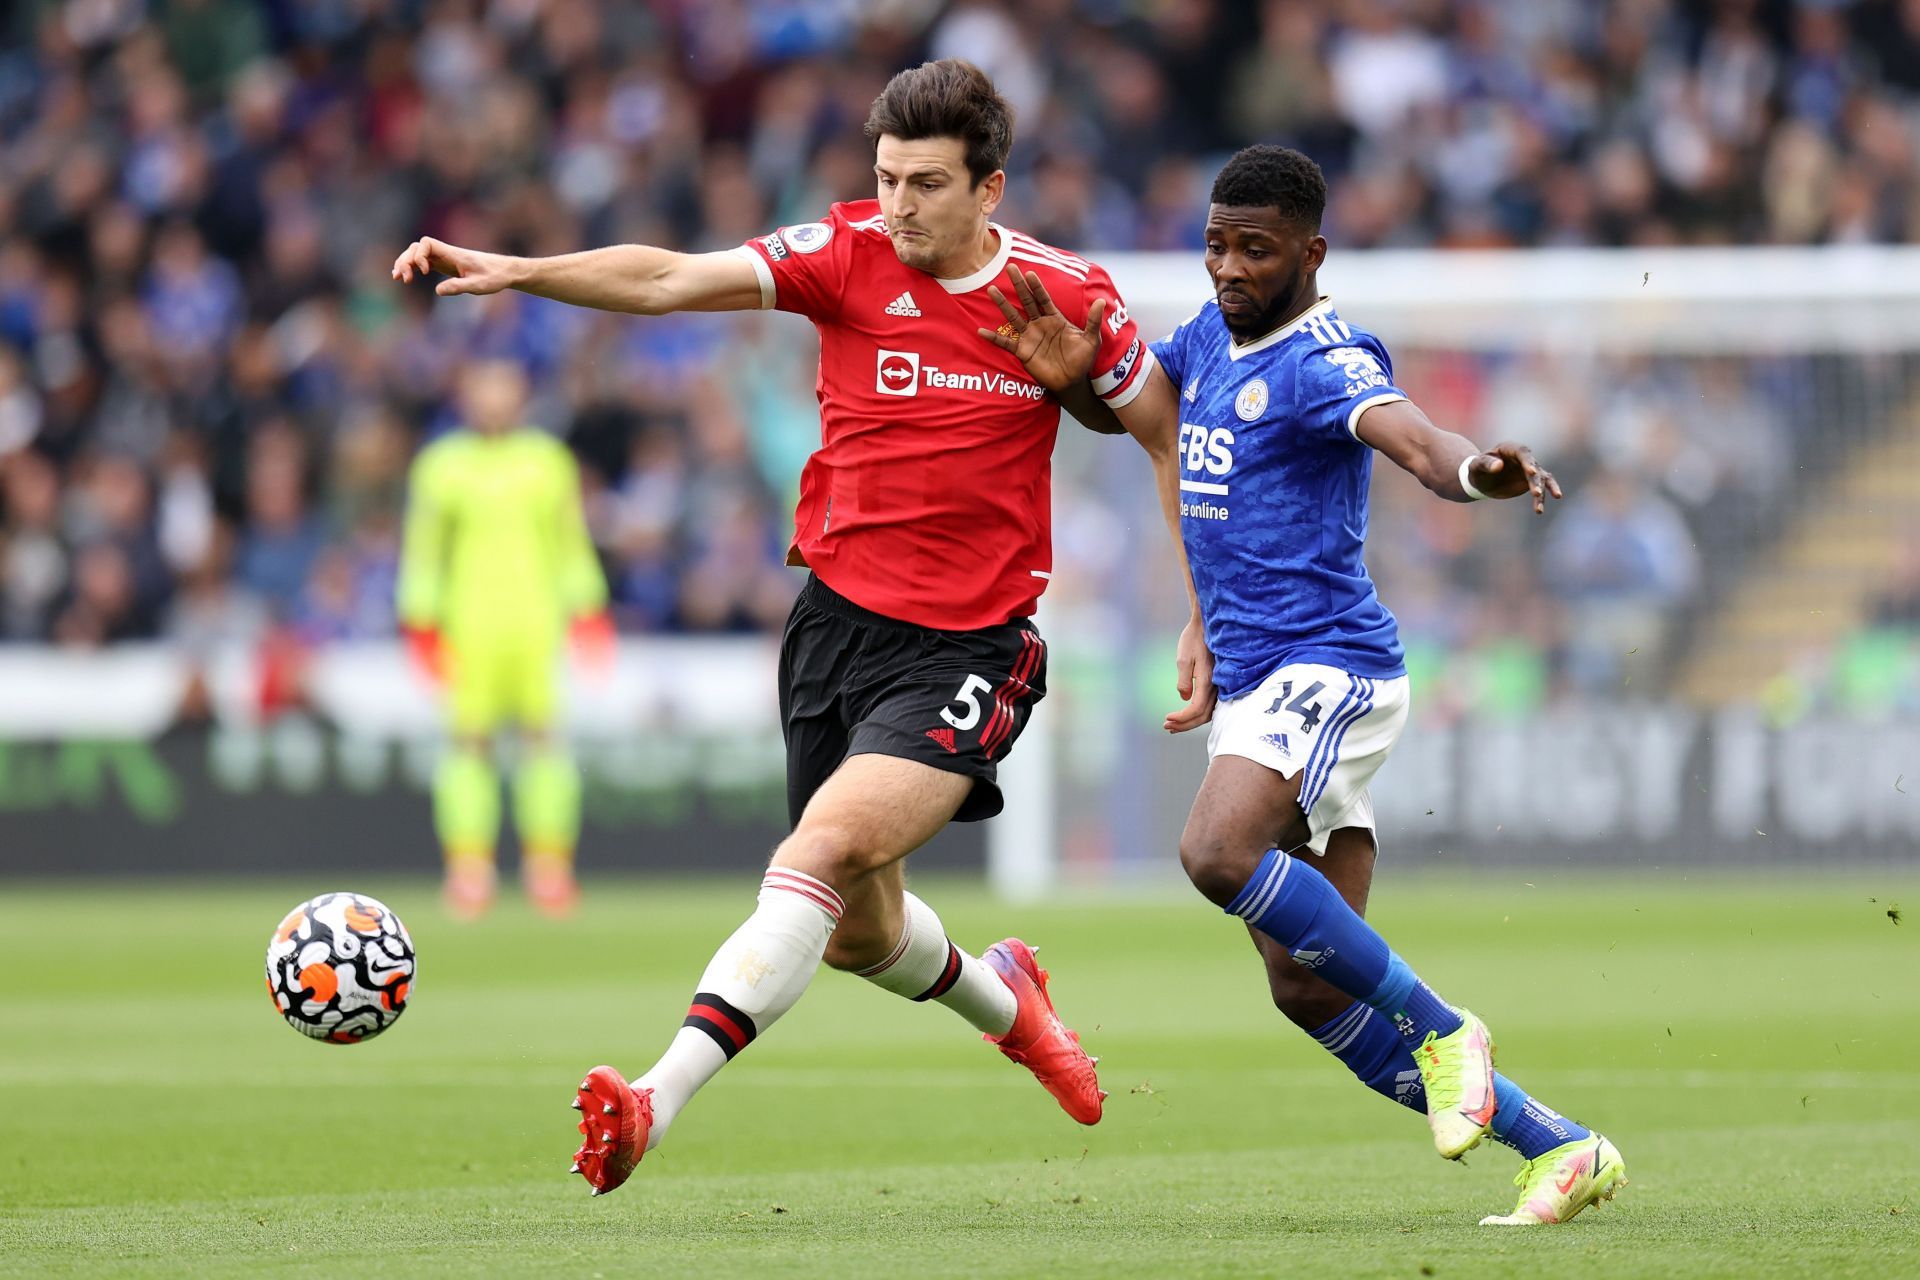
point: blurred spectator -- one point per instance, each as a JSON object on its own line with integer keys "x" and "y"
{"x": 34, "y": 571}
{"x": 1623, "y": 559}
{"x": 113, "y": 505}
{"x": 211, "y": 610}
{"x": 1897, "y": 606}
{"x": 282, "y": 536}
{"x": 1876, "y": 673}
{"x": 19, "y": 405}
{"x": 102, "y": 604}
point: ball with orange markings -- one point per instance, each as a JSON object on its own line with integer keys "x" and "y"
{"x": 340, "y": 968}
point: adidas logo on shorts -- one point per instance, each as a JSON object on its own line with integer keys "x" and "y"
{"x": 903, "y": 306}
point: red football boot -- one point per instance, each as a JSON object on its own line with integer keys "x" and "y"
{"x": 550, "y": 884}
{"x": 469, "y": 885}
{"x": 1039, "y": 1041}
{"x": 614, "y": 1120}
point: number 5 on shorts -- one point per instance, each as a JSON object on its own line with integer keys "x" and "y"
{"x": 969, "y": 694}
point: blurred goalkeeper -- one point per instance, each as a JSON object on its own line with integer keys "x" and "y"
{"x": 496, "y": 569}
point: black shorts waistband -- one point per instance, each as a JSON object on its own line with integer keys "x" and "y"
{"x": 819, "y": 595}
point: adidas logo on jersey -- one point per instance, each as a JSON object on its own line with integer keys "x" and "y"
{"x": 903, "y": 306}
{"x": 945, "y": 738}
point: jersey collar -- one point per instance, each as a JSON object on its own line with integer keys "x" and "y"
{"x": 1236, "y": 351}
{"x": 967, "y": 284}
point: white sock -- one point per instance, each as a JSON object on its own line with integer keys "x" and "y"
{"x": 755, "y": 976}
{"x": 925, "y": 965}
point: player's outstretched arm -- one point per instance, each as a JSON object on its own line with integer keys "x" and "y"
{"x": 1153, "y": 419}
{"x": 1447, "y": 464}
{"x": 636, "y": 278}
{"x": 1059, "y": 357}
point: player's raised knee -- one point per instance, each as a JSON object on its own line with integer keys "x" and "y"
{"x": 1217, "y": 862}
{"x": 830, "y": 853}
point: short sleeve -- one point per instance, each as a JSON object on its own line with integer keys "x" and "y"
{"x": 1338, "y": 384}
{"x": 804, "y": 268}
{"x": 1171, "y": 351}
{"x": 1121, "y": 366}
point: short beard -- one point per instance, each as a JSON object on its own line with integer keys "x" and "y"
{"x": 921, "y": 257}
{"x": 1271, "y": 317}
{"x": 1248, "y": 329}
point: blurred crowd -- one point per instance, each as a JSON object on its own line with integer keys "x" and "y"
{"x": 1679, "y": 468}
{"x": 210, "y": 390}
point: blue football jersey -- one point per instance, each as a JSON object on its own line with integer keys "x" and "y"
{"x": 1273, "y": 493}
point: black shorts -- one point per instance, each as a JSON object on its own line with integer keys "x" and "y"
{"x": 853, "y": 682}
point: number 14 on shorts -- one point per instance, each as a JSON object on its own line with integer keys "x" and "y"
{"x": 1301, "y": 704}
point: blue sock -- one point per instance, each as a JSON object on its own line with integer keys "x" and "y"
{"x": 1297, "y": 907}
{"x": 1528, "y": 1125}
{"x": 1374, "y": 1052}
{"x": 1377, "y": 1054}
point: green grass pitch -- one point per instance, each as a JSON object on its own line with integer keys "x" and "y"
{"x": 1750, "y": 1043}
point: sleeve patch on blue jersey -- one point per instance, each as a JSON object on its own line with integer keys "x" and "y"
{"x": 1361, "y": 368}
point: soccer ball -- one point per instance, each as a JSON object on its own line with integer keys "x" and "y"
{"x": 339, "y": 968}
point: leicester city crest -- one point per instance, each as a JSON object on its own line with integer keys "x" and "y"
{"x": 1252, "y": 400}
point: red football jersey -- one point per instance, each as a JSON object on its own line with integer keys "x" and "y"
{"x": 930, "y": 497}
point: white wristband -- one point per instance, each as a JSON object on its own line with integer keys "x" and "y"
{"x": 1473, "y": 494}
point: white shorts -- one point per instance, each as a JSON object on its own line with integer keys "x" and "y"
{"x": 1336, "y": 726}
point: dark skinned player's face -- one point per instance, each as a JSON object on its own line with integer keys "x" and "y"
{"x": 1262, "y": 267}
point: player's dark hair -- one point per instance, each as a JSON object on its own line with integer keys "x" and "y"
{"x": 1279, "y": 177}
{"x": 947, "y": 99}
